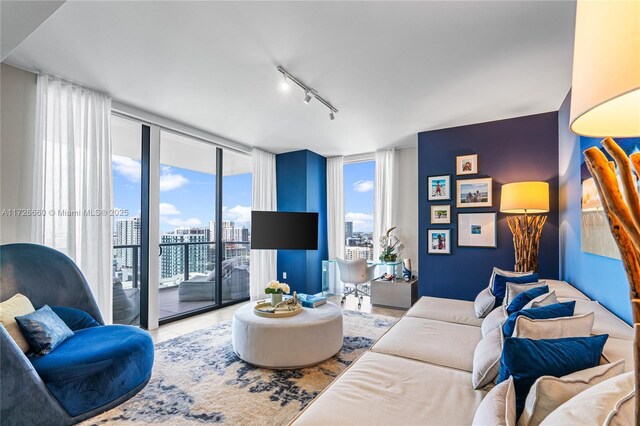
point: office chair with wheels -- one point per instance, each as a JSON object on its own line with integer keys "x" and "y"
{"x": 358, "y": 274}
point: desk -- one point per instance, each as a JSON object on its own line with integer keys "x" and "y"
{"x": 331, "y": 283}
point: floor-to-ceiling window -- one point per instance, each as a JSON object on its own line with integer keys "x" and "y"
{"x": 359, "y": 178}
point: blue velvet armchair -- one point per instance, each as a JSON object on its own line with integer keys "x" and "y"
{"x": 95, "y": 370}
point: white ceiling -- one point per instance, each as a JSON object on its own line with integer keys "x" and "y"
{"x": 391, "y": 68}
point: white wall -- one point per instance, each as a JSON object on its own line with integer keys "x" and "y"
{"x": 17, "y": 135}
{"x": 407, "y": 209}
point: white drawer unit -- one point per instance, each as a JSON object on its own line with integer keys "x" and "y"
{"x": 394, "y": 294}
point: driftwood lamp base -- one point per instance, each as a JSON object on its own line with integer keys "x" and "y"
{"x": 526, "y": 232}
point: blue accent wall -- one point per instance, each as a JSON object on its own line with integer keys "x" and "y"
{"x": 601, "y": 278}
{"x": 518, "y": 149}
{"x": 301, "y": 178}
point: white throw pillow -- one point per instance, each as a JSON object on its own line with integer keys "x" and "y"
{"x": 554, "y": 328}
{"x": 549, "y": 392}
{"x": 498, "y": 408}
{"x": 542, "y": 300}
{"x": 514, "y": 289}
{"x": 9, "y": 310}
{"x": 505, "y": 274}
{"x": 484, "y": 303}
{"x": 493, "y": 320}
{"x": 608, "y": 403}
{"x": 486, "y": 359}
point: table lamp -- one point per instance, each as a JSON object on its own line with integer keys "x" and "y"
{"x": 605, "y": 101}
{"x": 528, "y": 199}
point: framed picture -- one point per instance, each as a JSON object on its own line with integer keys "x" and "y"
{"x": 439, "y": 187}
{"x": 441, "y": 214}
{"x": 467, "y": 164}
{"x": 474, "y": 192}
{"x": 439, "y": 241}
{"x": 477, "y": 230}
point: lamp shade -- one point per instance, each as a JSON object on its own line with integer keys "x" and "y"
{"x": 605, "y": 96}
{"x": 525, "y": 197}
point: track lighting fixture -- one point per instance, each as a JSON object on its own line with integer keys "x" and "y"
{"x": 285, "y": 84}
{"x": 309, "y": 93}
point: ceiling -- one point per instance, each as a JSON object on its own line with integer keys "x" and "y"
{"x": 392, "y": 69}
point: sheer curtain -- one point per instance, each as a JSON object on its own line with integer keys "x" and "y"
{"x": 72, "y": 180}
{"x": 335, "y": 215}
{"x": 263, "y": 262}
{"x": 384, "y": 214}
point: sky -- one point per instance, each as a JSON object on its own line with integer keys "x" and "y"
{"x": 187, "y": 198}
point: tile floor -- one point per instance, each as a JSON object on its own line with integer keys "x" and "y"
{"x": 178, "y": 328}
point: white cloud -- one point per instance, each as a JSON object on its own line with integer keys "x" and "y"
{"x": 127, "y": 167}
{"x": 170, "y": 181}
{"x": 363, "y": 186}
{"x": 362, "y": 222}
{"x": 168, "y": 209}
{"x": 183, "y": 223}
{"x": 240, "y": 214}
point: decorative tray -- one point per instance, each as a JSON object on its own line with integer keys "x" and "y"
{"x": 264, "y": 309}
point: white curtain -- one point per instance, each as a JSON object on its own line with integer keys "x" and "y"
{"x": 263, "y": 262}
{"x": 72, "y": 180}
{"x": 335, "y": 206}
{"x": 384, "y": 215}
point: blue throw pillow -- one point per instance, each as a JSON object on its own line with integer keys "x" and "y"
{"x": 525, "y": 297}
{"x": 526, "y": 360}
{"x": 75, "y": 319}
{"x": 43, "y": 330}
{"x": 557, "y": 310}
{"x": 499, "y": 284}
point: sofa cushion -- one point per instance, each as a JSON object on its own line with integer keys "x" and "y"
{"x": 75, "y": 319}
{"x": 513, "y": 290}
{"x": 9, "y": 310}
{"x": 549, "y": 392}
{"x": 526, "y": 360}
{"x": 543, "y": 300}
{"x": 380, "y": 389}
{"x": 436, "y": 342}
{"x": 498, "y": 408}
{"x": 484, "y": 303}
{"x": 554, "y": 328}
{"x": 449, "y": 310}
{"x": 493, "y": 320}
{"x": 96, "y": 366}
{"x": 604, "y": 322}
{"x": 505, "y": 273}
{"x": 608, "y": 403}
{"x": 499, "y": 287}
{"x": 44, "y": 330}
{"x": 551, "y": 311}
{"x": 486, "y": 359}
{"x": 617, "y": 349}
{"x": 523, "y": 297}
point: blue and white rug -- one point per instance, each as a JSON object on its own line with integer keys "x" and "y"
{"x": 197, "y": 378}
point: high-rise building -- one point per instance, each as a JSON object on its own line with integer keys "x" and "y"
{"x": 127, "y": 232}
{"x": 348, "y": 230}
{"x": 172, "y": 262}
{"x": 353, "y": 253}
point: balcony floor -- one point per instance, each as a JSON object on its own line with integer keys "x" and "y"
{"x": 169, "y": 305}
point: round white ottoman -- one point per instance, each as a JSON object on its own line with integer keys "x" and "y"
{"x": 308, "y": 338}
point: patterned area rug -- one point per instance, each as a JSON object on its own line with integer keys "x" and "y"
{"x": 197, "y": 379}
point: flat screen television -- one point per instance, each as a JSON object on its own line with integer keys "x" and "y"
{"x": 284, "y": 230}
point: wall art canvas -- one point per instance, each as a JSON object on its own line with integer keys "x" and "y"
{"x": 439, "y": 187}
{"x": 441, "y": 214}
{"x": 596, "y": 237}
{"x": 467, "y": 164}
{"x": 474, "y": 193}
{"x": 439, "y": 241}
{"x": 477, "y": 230}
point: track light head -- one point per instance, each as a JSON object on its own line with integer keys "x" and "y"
{"x": 285, "y": 83}
{"x": 331, "y": 116}
{"x": 307, "y": 97}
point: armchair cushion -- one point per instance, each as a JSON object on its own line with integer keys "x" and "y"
{"x": 44, "y": 330}
{"x": 75, "y": 319}
{"x": 9, "y": 310}
{"x": 96, "y": 366}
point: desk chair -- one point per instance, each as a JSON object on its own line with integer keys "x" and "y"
{"x": 356, "y": 274}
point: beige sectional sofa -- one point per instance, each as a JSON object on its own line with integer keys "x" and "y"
{"x": 419, "y": 372}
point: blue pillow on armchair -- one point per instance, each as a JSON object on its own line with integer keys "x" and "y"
{"x": 526, "y": 360}
{"x": 557, "y": 310}
{"x": 521, "y": 300}
{"x": 499, "y": 284}
{"x": 43, "y": 330}
{"x": 75, "y": 319}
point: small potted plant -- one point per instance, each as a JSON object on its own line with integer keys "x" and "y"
{"x": 276, "y": 289}
{"x": 390, "y": 246}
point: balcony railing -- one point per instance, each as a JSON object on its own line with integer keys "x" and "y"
{"x": 184, "y": 266}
